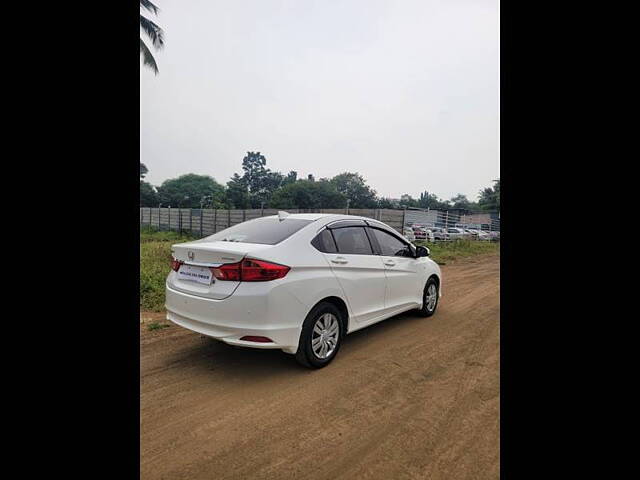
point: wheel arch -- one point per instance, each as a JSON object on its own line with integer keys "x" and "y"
{"x": 438, "y": 281}
{"x": 341, "y": 305}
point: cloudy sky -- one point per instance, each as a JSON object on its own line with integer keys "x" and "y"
{"x": 405, "y": 92}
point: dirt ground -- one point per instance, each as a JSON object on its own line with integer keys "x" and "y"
{"x": 406, "y": 398}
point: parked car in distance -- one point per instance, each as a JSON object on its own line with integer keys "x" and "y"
{"x": 298, "y": 282}
{"x": 483, "y": 236}
{"x": 439, "y": 234}
{"x": 479, "y": 234}
{"x": 429, "y": 235}
{"x": 409, "y": 234}
{"x": 419, "y": 232}
{"x": 423, "y": 233}
{"x": 457, "y": 233}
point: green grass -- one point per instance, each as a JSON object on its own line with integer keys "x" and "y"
{"x": 155, "y": 259}
{"x": 149, "y": 234}
{"x": 443, "y": 252}
{"x": 157, "y": 326}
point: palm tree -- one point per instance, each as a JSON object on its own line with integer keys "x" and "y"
{"x": 155, "y": 34}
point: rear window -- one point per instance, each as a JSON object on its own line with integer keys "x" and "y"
{"x": 324, "y": 242}
{"x": 266, "y": 230}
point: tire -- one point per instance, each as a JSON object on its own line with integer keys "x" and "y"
{"x": 310, "y": 355}
{"x": 429, "y": 306}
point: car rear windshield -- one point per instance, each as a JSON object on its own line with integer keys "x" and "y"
{"x": 266, "y": 230}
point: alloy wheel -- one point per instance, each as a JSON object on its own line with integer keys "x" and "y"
{"x": 431, "y": 297}
{"x": 324, "y": 338}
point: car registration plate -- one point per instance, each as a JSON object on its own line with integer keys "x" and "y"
{"x": 192, "y": 273}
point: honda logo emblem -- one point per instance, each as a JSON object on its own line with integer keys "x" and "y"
{"x": 190, "y": 255}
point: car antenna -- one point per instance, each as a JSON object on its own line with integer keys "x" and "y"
{"x": 282, "y": 215}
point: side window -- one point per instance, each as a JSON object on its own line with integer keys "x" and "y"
{"x": 390, "y": 245}
{"x": 324, "y": 242}
{"x": 352, "y": 240}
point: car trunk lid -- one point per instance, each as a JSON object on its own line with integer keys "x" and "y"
{"x": 197, "y": 258}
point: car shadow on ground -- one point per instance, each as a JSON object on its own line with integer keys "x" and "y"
{"x": 248, "y": 363}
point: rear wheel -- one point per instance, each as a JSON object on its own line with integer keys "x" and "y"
{"x": 321, "y": 336}
{"x": 429, "y": 298}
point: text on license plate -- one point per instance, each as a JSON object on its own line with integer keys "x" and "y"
{"x": 195, "y": 274}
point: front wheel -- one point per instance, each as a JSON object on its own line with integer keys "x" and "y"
{"x": 429, "y": 298}
{"x": 321, "y": 336}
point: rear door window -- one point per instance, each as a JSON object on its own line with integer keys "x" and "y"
{"x": 352, "y": 240}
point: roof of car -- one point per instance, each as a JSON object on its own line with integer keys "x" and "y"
{"x": 307, "y": 216}
{"x": 335, "y": 216}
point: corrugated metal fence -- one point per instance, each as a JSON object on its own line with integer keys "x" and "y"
{"x": 208, "y": 221}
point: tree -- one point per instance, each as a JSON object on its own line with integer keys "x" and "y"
{"x": 188, "y": 191}
{"x": 354, "y": 187}
{"x": 271, "y": 182}
{"x": 155, "y": 34}
{"x": 291, "y": 177}
{"x": 387, "y": 203}
{"x": 431, "y": 201}
{"x": 259, "y": 180}
{"x": 407, "y": 200}
{"x": 489, "y": 198}
{"x": 461, "y": 202}
{"x": 148, "y": 195}
{"x": 308, "y": 194}
{"x": 254, "y": 170}
{"x": 237, "y": 192}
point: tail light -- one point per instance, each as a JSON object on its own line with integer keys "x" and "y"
{"x": 228, "y": 271}
{"x": 261, "y": 271}
{"x": 250, "y": 270}
{"x": 175, "y": 264}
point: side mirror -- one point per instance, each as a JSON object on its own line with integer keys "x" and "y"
{"x": 422, "y": 251}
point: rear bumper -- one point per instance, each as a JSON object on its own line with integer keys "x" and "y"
{"x": 254, "y": 309}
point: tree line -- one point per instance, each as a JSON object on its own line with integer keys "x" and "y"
{"x": 258, "y": 186}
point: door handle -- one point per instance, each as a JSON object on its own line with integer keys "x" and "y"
{"x": 389, "y": 263}
{"x": 339, "y": 260}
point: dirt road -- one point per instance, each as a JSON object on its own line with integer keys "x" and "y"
{"x": 407, "y": 398}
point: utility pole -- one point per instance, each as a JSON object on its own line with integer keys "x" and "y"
{"x": 348, "y": 202}
{"x": 404, "y": 216}
{"x": 201, "y": 214}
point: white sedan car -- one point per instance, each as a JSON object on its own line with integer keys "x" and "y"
{"x": 298, "y": 282}
{"x": 480, "y": 234}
